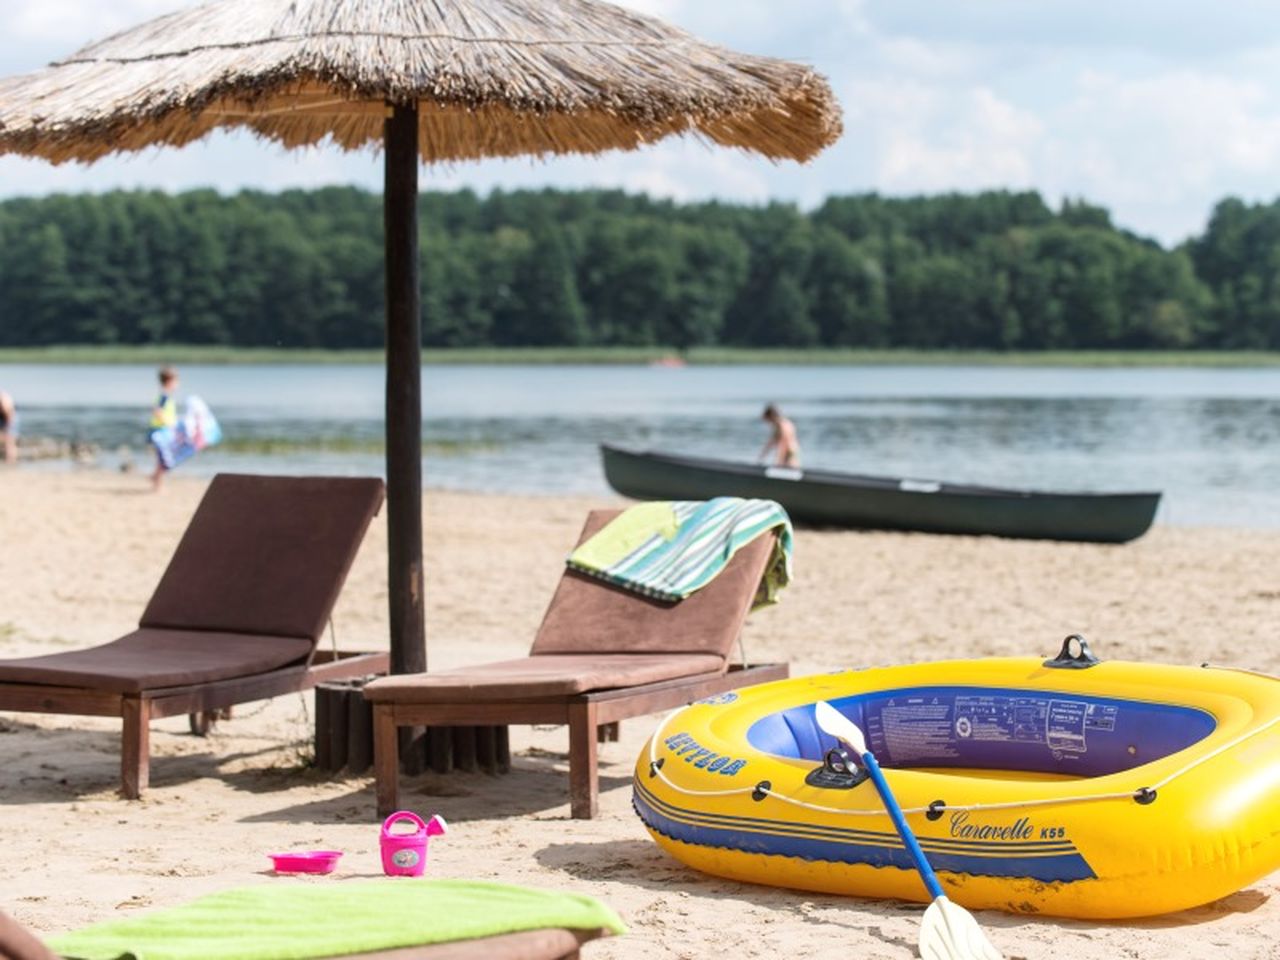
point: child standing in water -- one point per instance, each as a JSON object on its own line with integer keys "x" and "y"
{"x": 782, "y": 439}
{"x": 165, "y": 415}
{"x": 8, "y": 429}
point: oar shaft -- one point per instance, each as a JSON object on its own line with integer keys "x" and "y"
{"x": 900, "y": 824}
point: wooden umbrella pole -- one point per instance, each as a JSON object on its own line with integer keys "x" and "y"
{"x": 404, "y": 393}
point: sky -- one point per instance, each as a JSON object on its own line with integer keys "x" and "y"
{"x": 1155, "y": 109}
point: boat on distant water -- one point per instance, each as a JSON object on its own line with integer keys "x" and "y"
{"x": 828, "y": 498}
{"x": 670, "y": 360}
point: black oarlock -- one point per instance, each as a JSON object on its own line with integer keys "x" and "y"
{"x": 839, "y": 771}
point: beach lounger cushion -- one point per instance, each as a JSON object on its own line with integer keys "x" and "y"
{"x": 265, "y": 555}
{"x": 589, "y": 616}
{"x": 151, "y": 659}
{"x": 235, "y": 618}
{"x": 532, "y": 678}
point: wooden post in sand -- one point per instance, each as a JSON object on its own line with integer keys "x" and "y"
{"x": 404, "y": 404}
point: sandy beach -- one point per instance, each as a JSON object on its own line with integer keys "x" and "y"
{"x": 81, "y": 553}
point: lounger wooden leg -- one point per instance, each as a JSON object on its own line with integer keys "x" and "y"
{"x": 386, "y": 759}
{"x": 502, "y": 748}
{"x": 583, "y": 765}
{"x": 135, "y": 747}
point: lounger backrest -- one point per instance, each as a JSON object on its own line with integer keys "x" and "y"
{"x": 265, "y": 555}
{"x": 590, "y": 616}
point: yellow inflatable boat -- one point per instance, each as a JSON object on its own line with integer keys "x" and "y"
{"x": 1069, "y": 787}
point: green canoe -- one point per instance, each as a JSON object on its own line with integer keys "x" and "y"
{"x": 826, "y": 498}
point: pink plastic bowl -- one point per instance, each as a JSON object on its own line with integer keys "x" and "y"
{"x": 308, "y": 861}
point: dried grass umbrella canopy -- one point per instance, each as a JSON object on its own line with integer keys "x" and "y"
{"x": 491, "y": 78}
{"x": 436, "y": 80}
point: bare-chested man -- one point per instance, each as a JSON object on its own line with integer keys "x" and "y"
{"x": 782, "y": 440}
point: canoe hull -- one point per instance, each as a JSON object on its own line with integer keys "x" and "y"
{"x": 825, "y": 498}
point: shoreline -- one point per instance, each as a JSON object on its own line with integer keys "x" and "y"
{"x": 94, "y": 461}
{"x": 657, "y": 356}
{"x": 83, "y": 551}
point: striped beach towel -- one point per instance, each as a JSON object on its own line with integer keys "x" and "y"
{"x": 670, "y": 549}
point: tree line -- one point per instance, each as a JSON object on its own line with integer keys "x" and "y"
{"x": 998, "y": 270}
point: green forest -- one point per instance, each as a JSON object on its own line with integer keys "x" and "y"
{"x": 999, "y": 271}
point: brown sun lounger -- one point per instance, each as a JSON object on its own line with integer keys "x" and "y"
{"x": 237, "y": 616}
{"x": 18, "y": 943}
{"x": 602, "y": 654}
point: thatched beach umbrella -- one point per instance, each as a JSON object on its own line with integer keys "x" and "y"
{"x": 429, "y": 80}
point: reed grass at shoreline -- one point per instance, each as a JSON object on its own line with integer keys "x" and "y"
{"x": 709, "y": 356}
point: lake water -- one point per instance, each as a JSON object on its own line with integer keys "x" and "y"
{"x": 1209, "y": 438}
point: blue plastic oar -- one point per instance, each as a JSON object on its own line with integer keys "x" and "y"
{"x": 948, "y": 931}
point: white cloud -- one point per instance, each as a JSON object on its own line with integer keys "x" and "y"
{"x": 78, "y": 20}
{"x": 1152, "y": 111}
{"x": 1161, "y": 149}
{"x": 1156, "y": 28}
{"x": 1182, "y": 126}
{"x": 935, "y": 139}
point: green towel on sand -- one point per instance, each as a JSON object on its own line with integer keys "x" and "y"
{"x": 670, "y": 549}
{"x": 303, "y": 921}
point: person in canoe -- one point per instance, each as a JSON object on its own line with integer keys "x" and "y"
{"x": 782, "y": 439}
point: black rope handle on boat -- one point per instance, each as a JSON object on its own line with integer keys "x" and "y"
{"x": 1077, "y": 657}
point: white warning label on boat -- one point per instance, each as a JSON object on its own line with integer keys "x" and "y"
{"x": 1061, "y": 725}
{"x": 918, "y": 729}
{"x": 1001, "y": 719}
{"x": 1065, "y": 729}
{"x": 1071, "y": 720}
{"x": 934, "y": 729}
{"x": 783, "y": 473}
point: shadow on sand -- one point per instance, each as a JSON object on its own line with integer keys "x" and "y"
{"x": 536, "y": 786}
{"x": 84, "y": 764}
{"x": 642, "y": 863}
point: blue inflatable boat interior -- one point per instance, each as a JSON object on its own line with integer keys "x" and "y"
{"x": 989, "y": 728}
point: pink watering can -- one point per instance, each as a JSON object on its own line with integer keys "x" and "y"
{"x": 405, "y": 854}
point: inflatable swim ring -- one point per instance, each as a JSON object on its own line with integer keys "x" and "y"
{"x": 1116, "y": 790}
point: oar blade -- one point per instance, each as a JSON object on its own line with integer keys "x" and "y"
{"x": 949, "y": 932}
{"x": 834, "y": 723}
